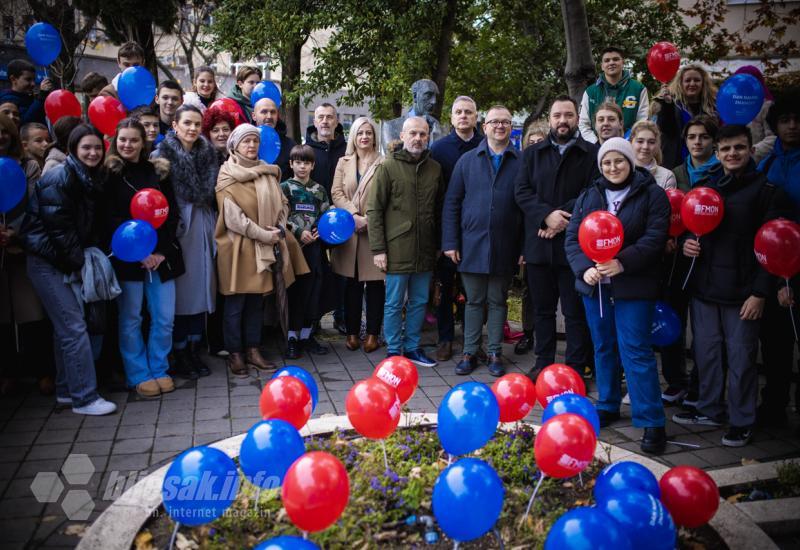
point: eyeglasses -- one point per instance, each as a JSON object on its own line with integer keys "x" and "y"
{"x": 499, "y": 123}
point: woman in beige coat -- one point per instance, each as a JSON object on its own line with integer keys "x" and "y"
{"x": 353, "y": 259}
{"x": 252, "y": 212}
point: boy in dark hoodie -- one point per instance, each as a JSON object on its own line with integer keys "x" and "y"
{"x": 23, "y": 94}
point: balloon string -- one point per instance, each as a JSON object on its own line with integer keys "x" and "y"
{"x": 580, "y": 479}
{"x": 533, "y": 497}
{"x": 691, "y": 267}
{"x": 449, "y": 459}
{"x": 672, "y": 271}
{"x": 305, "y": 535}
{"x": 385, "y": 460}
{"x": 600, "y": 296}
{"x": 174, "y": 535}
{"x": 791, "y": 315}
{"x": 258, "y": 497}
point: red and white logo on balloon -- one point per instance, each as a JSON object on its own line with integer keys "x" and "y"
{"x": 605, "y": 244}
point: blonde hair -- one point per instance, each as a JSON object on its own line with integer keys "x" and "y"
{"x": 534, "y": 128}
{"x": 354, "y": 128}
{"x": 708, "y": 95}
{"x": 651, "y": 126}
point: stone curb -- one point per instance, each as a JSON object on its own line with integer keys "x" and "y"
{"x": 118, "y": 525}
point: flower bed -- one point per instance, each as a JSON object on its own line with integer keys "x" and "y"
{"x": 383, "y": 501}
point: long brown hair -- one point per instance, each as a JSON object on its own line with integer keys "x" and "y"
{"x": 113, "y": 153}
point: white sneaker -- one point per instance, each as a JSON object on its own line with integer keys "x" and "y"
{"x": 63, "y": 400}
{"x": 627, "y": 399}
{"x": 98, "y": 407}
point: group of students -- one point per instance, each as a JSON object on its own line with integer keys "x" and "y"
{"x": 239, "y": 229}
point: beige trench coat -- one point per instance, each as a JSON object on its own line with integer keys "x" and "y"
{"x": 351, "y": 195}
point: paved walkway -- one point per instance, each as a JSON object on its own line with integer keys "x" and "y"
{"x": 35, "y": 436}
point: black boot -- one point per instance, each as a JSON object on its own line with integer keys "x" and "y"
{"x": 293, "y": 349}
{"x": 199, "y": 366}
{"x": 182, "y": 366}
{"x": 524, "y": 344}
{"x": 654, "y": 441}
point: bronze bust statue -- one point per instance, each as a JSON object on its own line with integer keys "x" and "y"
{"x": 425, "y": 93}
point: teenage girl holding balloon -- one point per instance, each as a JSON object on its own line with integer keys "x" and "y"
{"x": 153, "y": 279}
{"x": 620, "y": 326}
{"x": 691, "y": 93}
{"x": 61, "y": 221}
{"x": 193, "y": 172}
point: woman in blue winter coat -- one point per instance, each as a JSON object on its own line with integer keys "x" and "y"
{"x": 631, "y": 286}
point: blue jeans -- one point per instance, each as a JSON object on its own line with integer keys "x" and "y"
{"x": 146, "y": 362}
{"x": 397, "y": 285}
{"x": 75, "y": 376}
{"x": 622, "y": 335}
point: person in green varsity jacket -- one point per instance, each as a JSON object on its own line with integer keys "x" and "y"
{"x": 616, "y": 85}
{"x": 307, "y": 201}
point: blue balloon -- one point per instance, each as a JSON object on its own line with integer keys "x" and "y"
{"x": 269, "y": 146}
{"x": 43, "y": 43}
{"x": 305, "y": 377}
{"x": 586, "y": 528}
{"x": 267, "y": 451}
{"x": 739, "y": 99}
{"x": 199, "y": 486}
{"x": 159, "y": 139}
{"x": 134, "y": 240}
{"x": 573, "y": 403}
{"x": 336, "y": 225}
{"x": 267, "y": 89}
{"x": 136, "y": 87}
{"x": 643, "y": 518}
{"x": 468, "y": 417}
{"x": 287, "y": 542}
{"x": 467, "y": 499}
{"x": 12, "y": 184}
{"x": 666, "y": 327}
{"x": 625, "y": 476}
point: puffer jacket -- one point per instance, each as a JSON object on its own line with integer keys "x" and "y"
{"x": 645, "y": 215}
{"x": 404, "y": 211}
{"x": 125, "y": 179}
{"x": 60, "y": 221}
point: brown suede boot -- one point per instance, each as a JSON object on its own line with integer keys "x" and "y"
{"x": 371, "y": 343}
{"x": 237, "y": 365}
{"x": 445, "y": 351}
{"x": 352, "y": 343}
{"x": 255, "y": 358}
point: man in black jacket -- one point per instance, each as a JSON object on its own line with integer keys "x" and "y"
{"x": 728, "y": 288}
{"x": 554, "y": 173}
{"x": 265, "y": 113}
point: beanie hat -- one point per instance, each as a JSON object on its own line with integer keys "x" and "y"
{"x": 752, "y": 70}
{"x": 239, "y": 133}
{"x": 616, "y": 144}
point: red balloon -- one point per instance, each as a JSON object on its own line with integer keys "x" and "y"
{"x": 663, "y": 60}
{"x": 373, "y": 408}
{"x": 105, "y": 112}
{"x": 558, "y": 379}
{"x": 315, "y": 490}
{"x": 777, "y": 247}
{"x": 564, "y": 445}
{"x": 702, "y": 210}
{"x": 676, "y": 226}
{"x": 516, "y": 396}
{"x": 151, "y": 206}
{"x": 690, "y": 495}
{"x": 228, "y": 105}
{"x": 286, "y": 398}
{"x": 601, "y": 236}
{"x": 399, "y": 373}
{"x": 60, "y": 103}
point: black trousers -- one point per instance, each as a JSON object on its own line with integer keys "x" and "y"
{"x": 777, "y": 351}
{"x": 304, "y": 294}
{"x": 527, "y": 303}
{"x": 673, "y": 357}
{"x": 243, "y": 320}
{"x": 446, "y": 273}
{"x": 354, "y": 296}
{"x": 547, "y": 285}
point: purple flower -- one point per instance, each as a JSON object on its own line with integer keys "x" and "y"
{"x": 393, "y": 476}
{"x": 375, "y": 484}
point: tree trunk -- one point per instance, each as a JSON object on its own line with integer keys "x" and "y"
{"x": 290, "y": 74}
{"x": 442, "y": 66}
{"x": 579, "y": 71}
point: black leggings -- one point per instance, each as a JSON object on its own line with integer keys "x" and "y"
{"x": 354, "y": 294}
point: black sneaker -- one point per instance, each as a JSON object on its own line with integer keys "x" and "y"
{"x": 312, "y": 346}
{"x": 690, "y": 401}
{"x": 183, "y": 367}
{"x": 737, "y": 437}
{"x": 199, "y": 366}
{"x": 694, "y": 418}
{"x": 293, "y": 349}
{"x": 654, "y": 441}
{"x": 467, "y": 364}
{"x": 607, "y": 417}
{"x": 672, "y": 395}
{"x": 340, "y": 326}
{"x": 524, "y": 344}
